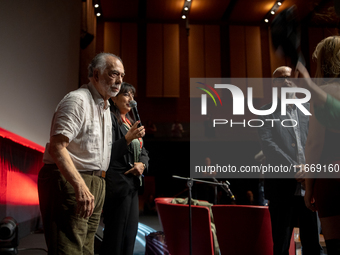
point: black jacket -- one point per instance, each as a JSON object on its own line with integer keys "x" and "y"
{"x": 119, "y": 184}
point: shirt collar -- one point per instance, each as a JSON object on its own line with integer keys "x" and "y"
{"x": 97, "y": 97}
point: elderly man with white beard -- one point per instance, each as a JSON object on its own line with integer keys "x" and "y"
{"x": 70, "y": 184}
{"x": 284, "y": 145}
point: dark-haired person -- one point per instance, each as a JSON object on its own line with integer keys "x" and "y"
{"x": 71, "y": 190}
{"x": 128, "y": 162}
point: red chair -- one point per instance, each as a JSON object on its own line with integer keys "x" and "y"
{"x": 174, "y": 219}
{"x": 243, "y": 230}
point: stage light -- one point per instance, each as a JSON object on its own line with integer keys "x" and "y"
{"x": 272, "y": 11}
{"x": 96, "y": 5}
{"x": 9, "y": 236}
{"x": 143, "y": 231}
{"x": 186, "y": 10}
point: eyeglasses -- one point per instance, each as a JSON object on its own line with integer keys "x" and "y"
{"x": 282, "y": 79}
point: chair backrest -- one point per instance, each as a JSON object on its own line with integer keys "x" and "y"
{"x": 243, "y": 229}
{"x": 174, "y": 219}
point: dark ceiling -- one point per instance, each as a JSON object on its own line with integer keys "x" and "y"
{"x": 246, "y": 12}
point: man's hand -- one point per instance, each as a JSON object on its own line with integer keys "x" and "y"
{"x": 84, "y": 198}
{"x": 134, "y": 133}
{"x": 85, "y": 201}
{"x": 137, "y": 169}
{"x": 301, "y": 174}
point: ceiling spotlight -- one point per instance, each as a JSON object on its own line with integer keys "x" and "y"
{"x": 186, "y": 8}
{"x": 189, "y": 0}
{"x": 272, "y": 12}
{"x": 266, "y": 20}
{"x": 279, "y": 3}
{"x": 98, "y": 14}
{"x": 96, "y": 5}
{"x": 184, "y": 17}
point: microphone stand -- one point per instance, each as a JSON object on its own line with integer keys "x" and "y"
{"x": 190, "y": 182}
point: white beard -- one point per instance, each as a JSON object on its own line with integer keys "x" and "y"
{"x": 108, "y": 88}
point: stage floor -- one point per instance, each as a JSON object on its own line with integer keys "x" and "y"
{"x": 36, "y": 241}
{"x": 34, "y": 244}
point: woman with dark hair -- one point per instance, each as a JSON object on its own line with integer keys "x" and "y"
{"x": 322, "y": 146}
{"x": 129, "y": 160}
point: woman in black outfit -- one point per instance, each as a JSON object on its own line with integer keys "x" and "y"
{"x": 129, "y": 160}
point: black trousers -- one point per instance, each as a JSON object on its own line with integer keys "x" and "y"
{"x": 287, "y": 214}
{"x": 121, "y": 214}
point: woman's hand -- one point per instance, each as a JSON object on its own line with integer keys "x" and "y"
{"x": 134, "y": 133}
{"x": 318, "y": 95}
{"x": 137, "y": 169}
{"x": 302, "y": 72}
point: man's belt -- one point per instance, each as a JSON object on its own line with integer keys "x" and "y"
{"x": 94, "y": 173}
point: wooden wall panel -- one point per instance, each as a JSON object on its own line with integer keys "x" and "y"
{"x": 238, "y": 55}
{"x": 154, "y": 61}
{"x": 171, "y": 60}
{"x": 196, "y": 51}
{"x": 129, "y": 46}
{"x": 204, "y": 53}
{"x": 254, "y": 59}
{"x": 212, "y": 55}
{"x": 237, "y": 51}
{"x": 89, "y": 52}
{"x": 253, "y": 51}
{"x": 112, "y": 38}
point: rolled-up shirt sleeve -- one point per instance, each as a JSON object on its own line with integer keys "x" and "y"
{"x": 69, "y": 117}
{"x": 83, "y": 117}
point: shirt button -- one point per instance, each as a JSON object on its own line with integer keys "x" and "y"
{"x": 293, "y": 144}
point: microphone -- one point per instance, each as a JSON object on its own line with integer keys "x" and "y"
{"x": 225, "y": 187}
{"x": 133, "y": 105}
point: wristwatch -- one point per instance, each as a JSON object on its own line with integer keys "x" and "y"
{"x": 144, "y": 166}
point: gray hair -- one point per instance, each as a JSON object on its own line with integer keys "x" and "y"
{"x": 99, "y": 61}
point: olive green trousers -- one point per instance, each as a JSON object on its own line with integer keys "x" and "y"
{"x": 65, "y": 232}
